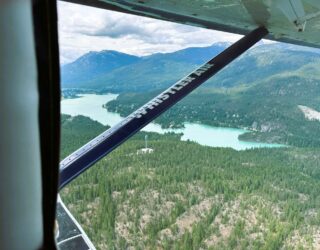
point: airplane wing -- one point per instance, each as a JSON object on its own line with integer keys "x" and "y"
{"x": 292, "y": 21}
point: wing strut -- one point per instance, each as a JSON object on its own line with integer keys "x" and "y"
{"x": 86, "y": 156}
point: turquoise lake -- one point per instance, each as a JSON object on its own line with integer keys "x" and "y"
{"x": 91, "y": 105}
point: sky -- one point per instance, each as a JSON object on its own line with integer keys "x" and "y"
{"x": 83, "y": 29}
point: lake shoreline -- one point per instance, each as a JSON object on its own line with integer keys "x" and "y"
{"x": 92, "y": 105}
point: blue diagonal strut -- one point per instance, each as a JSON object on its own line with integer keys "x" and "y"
{"x": 103, "y": 144}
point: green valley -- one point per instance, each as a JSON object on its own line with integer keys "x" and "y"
{"x": 182, "y": 195}
{"x": 268, "y": 107}
{"x": 187, "y": 196}
{"x": 260, "y": 91}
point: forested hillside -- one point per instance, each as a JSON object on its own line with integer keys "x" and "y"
{"x": 269, "y": 108}
{"x": 260, "y": 91}
{"x": 117, "y": 72}
{"x": 92, "y": 65}
{"x": 187, "y": 196}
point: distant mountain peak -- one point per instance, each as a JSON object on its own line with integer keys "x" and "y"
{"x": 117, "y": 71}
{"x": 93, "y": 64}
{"x": 103, "y": 53}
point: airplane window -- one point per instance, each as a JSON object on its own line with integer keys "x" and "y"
{"x": 233, "y": 165}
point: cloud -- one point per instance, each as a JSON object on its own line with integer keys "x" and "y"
{"x": 83, "y": 29}
{"x": 119, "y": 30}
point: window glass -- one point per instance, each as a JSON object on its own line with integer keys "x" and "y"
{"x": 233, "y": 165}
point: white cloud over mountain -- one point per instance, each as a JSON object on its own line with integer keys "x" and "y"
{"x": 83, "y": 29}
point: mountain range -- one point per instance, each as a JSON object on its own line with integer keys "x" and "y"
{"x": 119, "y": 72}
{"x": 187, "y": 196}
{"x": 262, "y": 90}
